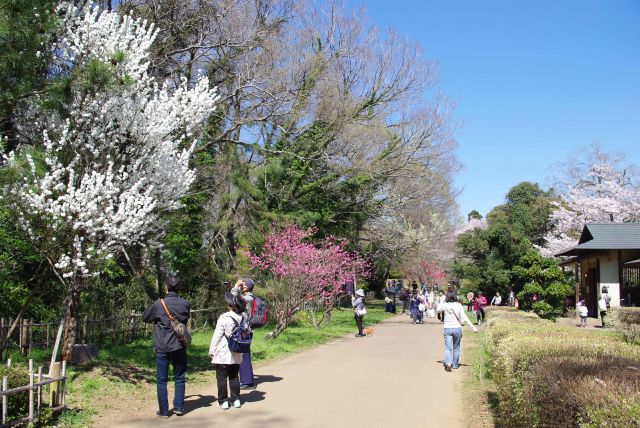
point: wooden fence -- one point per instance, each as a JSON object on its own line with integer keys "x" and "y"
{"x": 56, "y": 383}
{"x": 115, "y": 330}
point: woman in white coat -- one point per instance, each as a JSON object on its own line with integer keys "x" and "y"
{"x": 454, "y": 317}
{"x": 227, "y": 363}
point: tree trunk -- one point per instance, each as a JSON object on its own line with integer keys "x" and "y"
{"x": 71, "y": 314}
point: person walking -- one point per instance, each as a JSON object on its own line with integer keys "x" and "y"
{"x": 244, "y": 289}
{"x": 497, "y": 299}
{"x": 359, "y": 310}
{"x": 404, "y": 298}
{"x": 441, "y": 300}
{"x": 454, "y": 318}
{"x": 480, "y": 303}
{"x": 422, "y": 307}
{"x": 602, "y": 307}
{"x": 389, "y": 299}
{"x": 511, "y": 301}
{"x": 469, "y": 300}
{"x": 413, "y": 308}
{"x": 168, "y": 348}
{"x": 225, "y": 362}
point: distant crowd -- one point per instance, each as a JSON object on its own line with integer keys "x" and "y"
{"x": 422, "y": 301}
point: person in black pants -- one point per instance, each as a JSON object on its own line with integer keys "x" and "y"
{"x": 167, "y": 347}
{"x": 357, "y": 302}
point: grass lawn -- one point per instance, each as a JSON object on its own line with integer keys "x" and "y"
{"x": 126, "y": 373}
{"x": 478, "y": 386}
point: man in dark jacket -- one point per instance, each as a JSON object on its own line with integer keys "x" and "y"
{"x": 404, "y": 298}
{"x": 168, "y": 348}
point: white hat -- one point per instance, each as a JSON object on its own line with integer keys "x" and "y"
{"x": 360, "y": 292}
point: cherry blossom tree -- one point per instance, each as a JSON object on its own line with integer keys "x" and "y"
{"x": 110, "y": 156}
{"x": 299, "y": 271}
{"x": 428, "y": 272}
{"x": 604, "y": 194}
{"x": 472, "y": 224}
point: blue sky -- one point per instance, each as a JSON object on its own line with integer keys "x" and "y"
{"x": 533, "y": 81}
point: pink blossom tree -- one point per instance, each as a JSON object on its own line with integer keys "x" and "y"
{"x": 429, "y": 272}
{"x": 299, "y": 271}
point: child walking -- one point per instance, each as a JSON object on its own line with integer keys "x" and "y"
{"x": 584, "y": 312}
{"x": 227, "y": 363}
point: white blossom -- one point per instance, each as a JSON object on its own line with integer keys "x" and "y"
{"x": 605, "y": 195}
{"x": 121, "y": 155}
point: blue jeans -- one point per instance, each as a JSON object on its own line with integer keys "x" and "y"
{"x": 452, "y": 337}
{"x": 179, "y": 361}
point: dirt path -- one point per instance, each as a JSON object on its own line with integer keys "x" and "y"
{"x": 393, "y": 378}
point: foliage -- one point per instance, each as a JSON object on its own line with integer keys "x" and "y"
{"x": 18, "y": 404}
{"x": 542, "y": 277}
{"x": 553, "y": 376}
{"x": 626, "y": 321}
{"x": 25, "y": 39}
{"x": 486, "y": 256}
{"x": 300, "y": 271}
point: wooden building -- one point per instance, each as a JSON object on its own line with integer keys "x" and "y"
{"x": 607, "y": 255}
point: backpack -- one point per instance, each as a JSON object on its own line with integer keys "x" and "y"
{"x": 240, "y": 339}
{"x": 259, "y": 313}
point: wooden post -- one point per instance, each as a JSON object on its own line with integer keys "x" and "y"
{"x": 57, "y": 344}
{"x": 47, "y": 341}
{"x": 5, "y": 386}
{"x": 39, "y": 388}
{"x": 30, "y": 336}
{"x": 64, "y": 382}
{"x": 20, "y": 337}
{"x": 31, "y": 395}
{"x": 54, "y": 387}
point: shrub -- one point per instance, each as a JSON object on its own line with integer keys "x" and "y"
{"x": 627, "y": 322}
{"x": 549, "y": 376}
{"x": 544, "y": 310}
{"x": 18, "y": 404}
{"x": 629, "y": 315}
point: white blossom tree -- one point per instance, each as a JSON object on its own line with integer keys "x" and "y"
{"x": 603, "y": 193}
{"x": 111, "y": 156}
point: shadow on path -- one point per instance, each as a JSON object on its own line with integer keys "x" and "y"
{"x": 196, "y": 401}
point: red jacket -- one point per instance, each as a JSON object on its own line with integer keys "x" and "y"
{"x": 483, "y": 303}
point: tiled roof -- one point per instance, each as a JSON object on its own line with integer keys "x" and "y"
{"x": 607, "y": 236}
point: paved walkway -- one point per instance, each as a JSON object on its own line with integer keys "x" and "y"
{"x": 393, "y": 378}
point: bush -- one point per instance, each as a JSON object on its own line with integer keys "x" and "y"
{"x": 18, "y": 404}
{"x": 629, "y": 315}
{"x": 544, "y": 310}
{"x": 550, "y": 376}
{"x": 627, "y": 322}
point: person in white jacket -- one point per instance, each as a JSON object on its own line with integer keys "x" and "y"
{"x": 454, "y": 317}
{"x": 227, "y": 363}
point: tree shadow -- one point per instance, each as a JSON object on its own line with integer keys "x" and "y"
{"x": 492, "y": 404}
{"x": 122, "y": 371}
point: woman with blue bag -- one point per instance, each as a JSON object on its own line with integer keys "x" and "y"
{"x": 225, "y": 361}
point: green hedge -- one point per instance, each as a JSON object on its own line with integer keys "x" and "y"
{"x": 551, "y": 376}
{"x": 18, "y": 404}
{"x": 629, "y": 315}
